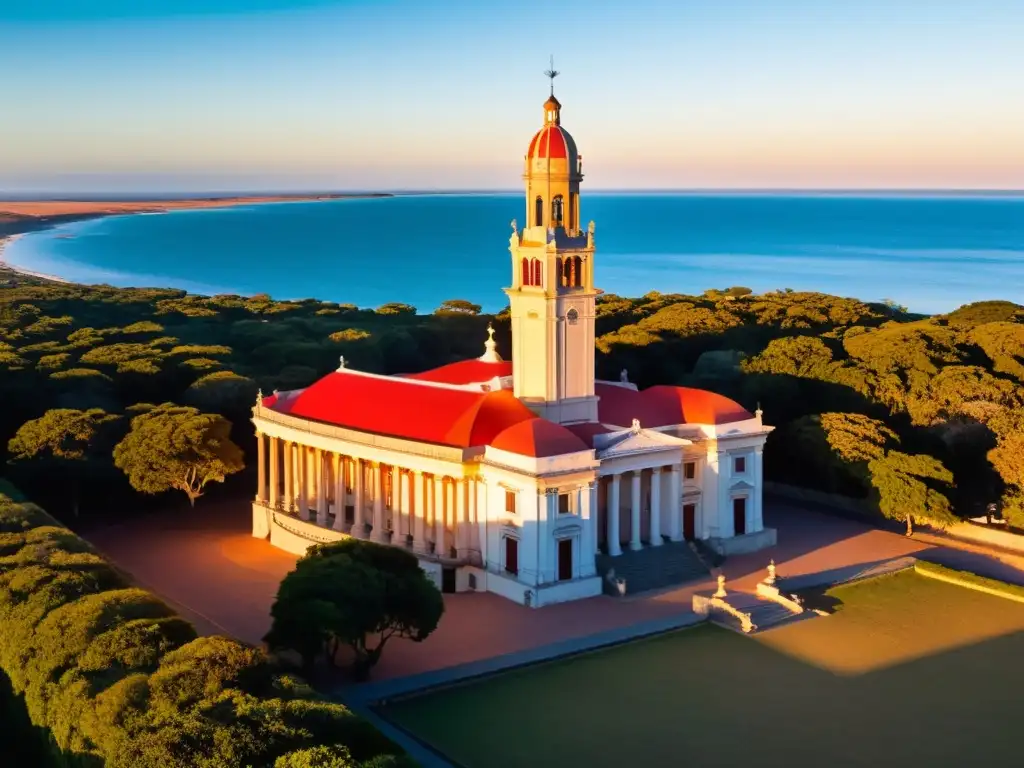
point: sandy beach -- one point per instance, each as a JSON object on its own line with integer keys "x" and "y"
{"x": 20, "y": 217}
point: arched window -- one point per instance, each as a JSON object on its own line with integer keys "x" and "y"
{"x": 558, "y": 270}
{"x": 536, "y": 272}
{"x": 577, "y": 263}
{"x": 567, "y": 272}
{"x": 572, "y": 317}
{"x": 538, "y": 213}
{"x": 556, "y": 211}
{"x": 526, "y": 272}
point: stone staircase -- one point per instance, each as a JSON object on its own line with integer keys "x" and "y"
{"x": 673, "y": 563}
{"x": 745, "y": 612}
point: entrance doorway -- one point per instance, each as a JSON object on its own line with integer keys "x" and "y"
{"x": 511, "y": 555}
{"x": 564, "y": 559}
{"x": 448, "y": 580}
{"x": 689, "y": 521}
{"x": 739, "y": 515}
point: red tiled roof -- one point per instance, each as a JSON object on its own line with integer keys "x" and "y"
{"x": 407, "y": 409}
{"x": 464, "y": 372}
{"x": 552, "y": 141}
{"x": 662, "y": 406}
{"x": 538, "y": 437}
{"x": 586, "y": 431}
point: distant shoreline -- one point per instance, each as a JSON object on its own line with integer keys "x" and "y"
{"x": 18, "y": 218}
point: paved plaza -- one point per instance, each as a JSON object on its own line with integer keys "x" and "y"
{"x": 206, "y": 564}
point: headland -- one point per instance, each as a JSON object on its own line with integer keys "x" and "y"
{"x": 19, "y": 217}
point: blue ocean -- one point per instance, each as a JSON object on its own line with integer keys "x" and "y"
{"x": 929, "y": 253}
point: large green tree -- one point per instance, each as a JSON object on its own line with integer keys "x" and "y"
{"x": 67, "y": 441}
{"x": 908, "y": 487}
{"x": 357, "y": 594}
{"x": 177, "y": 447}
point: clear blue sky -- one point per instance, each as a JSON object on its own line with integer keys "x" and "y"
{"x": 227, "y": 94}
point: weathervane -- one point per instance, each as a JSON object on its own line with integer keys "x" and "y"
{"x": 552, "y": 73}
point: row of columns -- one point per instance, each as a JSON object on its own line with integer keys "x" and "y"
{"x": 431, "y": 513}
{"x": 675, "y": 531}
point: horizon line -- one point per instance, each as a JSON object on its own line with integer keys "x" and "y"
{"x": 112, "y": 196}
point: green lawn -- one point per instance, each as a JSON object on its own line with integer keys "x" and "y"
{"x": 909, "y": 672}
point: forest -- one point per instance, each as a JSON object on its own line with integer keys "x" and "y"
{"x": 867, "y": 399}
{"x": 119, "y": 400}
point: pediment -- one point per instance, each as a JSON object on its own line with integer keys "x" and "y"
{"x": 633, "y": 441}
{"x": 741, "y": 485}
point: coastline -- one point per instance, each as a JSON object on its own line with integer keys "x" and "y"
{"x": 19, "y": 218}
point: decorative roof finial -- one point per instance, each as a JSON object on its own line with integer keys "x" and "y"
{"x": 515, "y": 227}
{"x": 341, "y": 363}
{"x": 758, "y": 413}
{"x": 259, "y": 397}
{"x": 636, "y": 426}
{"x": 552, "y": 73}
{"x": 490, "y": 354}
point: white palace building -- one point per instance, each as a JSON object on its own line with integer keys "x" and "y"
{"x": 519, "y": 477}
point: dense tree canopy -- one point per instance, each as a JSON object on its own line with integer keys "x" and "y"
{"x": 114, "y": 678}
{"x": 357, "y": 594}
{"x": 177, "y": 447}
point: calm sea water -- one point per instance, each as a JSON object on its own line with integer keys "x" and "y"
{"x": 929, "y": 253}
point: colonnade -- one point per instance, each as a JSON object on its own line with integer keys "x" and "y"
{"x": 385, "y": 503}
{"x": 667, "y": 502}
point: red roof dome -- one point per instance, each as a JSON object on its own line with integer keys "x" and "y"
{"x": 538, "y": 438}
{"x": 464, "y": 372}
{"x": 552, "y": 142}
{"x": 662, "y": 406}
{"x": 406, "y": 409}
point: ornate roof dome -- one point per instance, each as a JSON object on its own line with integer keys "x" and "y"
{"x": 552, "y": 142}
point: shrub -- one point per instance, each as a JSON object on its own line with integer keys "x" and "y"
{"x": 114, "y": 678}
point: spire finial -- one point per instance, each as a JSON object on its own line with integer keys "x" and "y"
{"x": 490, "y": 354}
{"x": 552, "y": 73}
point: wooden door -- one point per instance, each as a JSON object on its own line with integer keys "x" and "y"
{"x": 565, "y": 559}
{"x": 511, "y": 555}
{"x": 689, "y": 521}
{"x": 739, "y": 515}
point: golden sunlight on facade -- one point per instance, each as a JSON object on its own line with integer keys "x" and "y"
{"x": 527, "y": 477}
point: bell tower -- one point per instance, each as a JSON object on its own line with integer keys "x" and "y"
{"x": 552, "y": 296}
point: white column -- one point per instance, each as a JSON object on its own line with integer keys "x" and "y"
{"x": 723, "y": 512}
{"x": 289, "y": 477}
{"x": 757, "y": 497}
{"x": 614, "y": 547}
{"x": 419, "y": 520}
{"x": 656, "y": 507}
{"x": 261, "y": 467}
{"x": 359, "y": 521}
{"x": 378, "y": 534}
{"x": 462, "y": 525}
{"x": 588, "y": 552}
{"x": 340, "y": 495}
{"x": 303, "y": 474}
{"x": 275, "y": 486}
{"x": 634, "y": 521}
{"x": 404, "y": 508}
{"x": 439, "y": 543}
{"x": 675, "y": 505}
{"x": 321, "y": 487}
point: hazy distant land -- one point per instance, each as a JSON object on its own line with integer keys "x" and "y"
{"x": 24, "y": 216}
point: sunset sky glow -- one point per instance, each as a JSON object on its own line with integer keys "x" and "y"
{"x": 195, "y": 95}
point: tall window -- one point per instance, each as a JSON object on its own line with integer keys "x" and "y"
{"x": 538, "y": 213}
{"x": 536, "y": 271}
{"x": 510, "y": 502}
{"x": 527, "y": 276}
{"x": 739, "y": 465}
{"x": 564, "y": 507}
{"x": 689, "y": 470}
{"x": 556, "y": 211}
{"x": 577, "y": 268}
